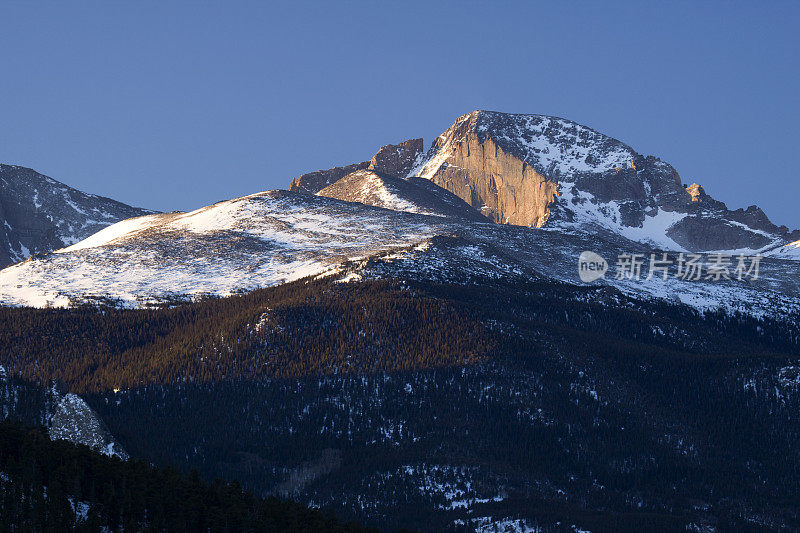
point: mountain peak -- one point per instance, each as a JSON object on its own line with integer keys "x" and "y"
{"x": 544, "y": 171}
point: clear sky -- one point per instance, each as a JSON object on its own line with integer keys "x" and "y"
{"x": 175, "y": 105}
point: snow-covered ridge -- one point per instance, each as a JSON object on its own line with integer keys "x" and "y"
{"x": 412, "y": 195}
{"x": 373, "y": 190}
{"x": 788, "y": 251}
{"x": 586, "y": 210}
{"x": 277, "y": 236}
{"x": 556, "y": 147}
{"x": 237, "y": 245}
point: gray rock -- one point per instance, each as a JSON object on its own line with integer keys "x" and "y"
{"x": 39, "y": 214}
{"x": 393, "y": 160}
{"x": 313, "y": 182}
{"x": 397, "y": 159}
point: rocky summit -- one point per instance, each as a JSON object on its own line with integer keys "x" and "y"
{"x": 413, "y": 195}
{"x": 576, "y": 188}
{"x": 541, "y": 171}
{"x": 392, "y": 160}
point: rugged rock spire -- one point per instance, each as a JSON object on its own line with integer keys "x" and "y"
{"x": 391, "y": 160}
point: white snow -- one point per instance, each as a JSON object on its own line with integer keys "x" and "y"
{"x": 237, "y": 245}
{"x": 588, "y": 210}
{"x": 125, "y": 228}
{"x": 788, "y": 251}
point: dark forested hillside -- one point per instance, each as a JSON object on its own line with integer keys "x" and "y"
{"x": 289, "y": 331}
{"x": 321, "y": 328}
{"x": 448, "y": 406}
{"x": 57, "y": 486}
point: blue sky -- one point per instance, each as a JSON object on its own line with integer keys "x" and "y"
{"x": 175, "y": 105}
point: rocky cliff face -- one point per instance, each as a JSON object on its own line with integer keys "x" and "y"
{"x": 39, "y": 214}
{"x": 66, "y": 416}
{"x": 541, "y": 171}
{"x": 73, "y": 420}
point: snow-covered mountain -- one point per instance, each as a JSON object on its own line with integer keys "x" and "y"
{"x": 279, "y": 236}
{"x": 578, "y": 189}
{"x": 39, "y": 214}
{"x": 541, "y": 171}
{"x": 237, "y": 245}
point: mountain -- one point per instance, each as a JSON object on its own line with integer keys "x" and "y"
{"x": 40, "y": 214}
{"x": 380, "y": 341}
{"x": 279, "y": 236}
{"x": 413, "y": 195}
{"x": 540, "y": 171}
{"x": 448, "y": 406}
{"x": 580, "y": 190}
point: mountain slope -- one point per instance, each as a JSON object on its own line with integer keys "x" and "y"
{"x": 412, "y": 195}
{"x": 392, "y": 159}
{"x": 56, "y": 486}
{"x": 418, "y": 404}
{"x": 237, "y": 245}
{"x": 541, "y": 171}
{"x": 278, "y": 236}
{"x": 38, "y": 214}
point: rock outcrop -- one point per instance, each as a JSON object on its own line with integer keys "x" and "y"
{"x": 65, "y": 415}
{"x": 397, "y": 159}
{"x": 39, "y": 214}
{"x": 414, "y": 195}
{"x": 391, "y": 160}
{"x": 73, "y": 420}
{"x": 313, "y": 182}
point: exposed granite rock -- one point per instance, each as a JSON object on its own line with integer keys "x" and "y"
{"x": 313, "y": 182}
{"x": 697, "y": 192}
{"x": 397, "y": 159}
{"x": 65, "y": 415}
{"x": 73, "y": 420}
{"x": 39, "y": 214}
{"x": 414, "y": 195}
{"x": 536, "y": 170}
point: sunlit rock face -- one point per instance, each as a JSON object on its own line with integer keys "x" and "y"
{"x": 413, "y": 195}
{"x": 541, "y": 171}
{"x": 392, "y": 160}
